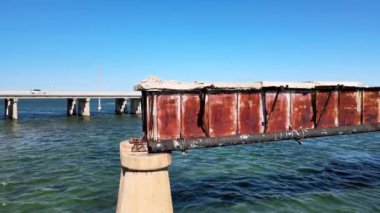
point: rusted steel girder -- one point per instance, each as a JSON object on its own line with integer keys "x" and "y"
{"x": 185, "y": 144}
{"x": 209, "y": 112}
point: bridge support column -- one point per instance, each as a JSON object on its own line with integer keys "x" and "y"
{"x": 144, "y": 181}
{"x": 134, "y": 106}
{"x": 10, "y": 108}
{"x": 71, "y": 106}
{"x": 120, "y": 104}
{"x": 84, "y": 107}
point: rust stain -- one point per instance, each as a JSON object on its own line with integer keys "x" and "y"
{"x": 222, "y": 114}
{"x": 326, "y": 109}
{"x": 149, "y": 116}
{"x": 190, "y": 113}
{"x": 301, "y": 111}
{"x": 277, "y": 112}
{"x": 168, "y": 116}
{"x": 349, "y": 108}
{"x": 371, "y": 110}
{"x": 250, "y": 116}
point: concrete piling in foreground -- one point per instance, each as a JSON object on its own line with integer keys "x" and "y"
{"x": 144, "y": 181}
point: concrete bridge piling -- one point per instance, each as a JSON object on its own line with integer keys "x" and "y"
{"x": 84, "y": 107}
{"x": 120, "y": 104}
{"x": 135, "y": 106}
{"x": 78, "y": 103}
{"x": 71, "y": 107}
{"x": 144, "y": 181}
{"x": 10, "y": 108}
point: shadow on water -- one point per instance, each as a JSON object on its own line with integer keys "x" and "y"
{"x": 334, "y": 176}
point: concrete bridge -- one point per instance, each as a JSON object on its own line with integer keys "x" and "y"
{"x": 78, "y": 103}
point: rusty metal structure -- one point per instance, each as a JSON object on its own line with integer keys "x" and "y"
{"x": 180, "y": 116}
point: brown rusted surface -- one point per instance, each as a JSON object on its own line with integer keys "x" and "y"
{"x": 200, "y": 110}
{"x": 371, "y": 107}
{"x": 222, "y": 114}
{"x": 277, "y": 111}
{"x": 190, "y": 126}
{"x": 250, "y": 113}
{"x": 349, "y": 108}
{"x": 149, "y": 117}
{"x": 326, "y": 108}
{"x": 168, "y": 116}
{"x": 301, "y": 110}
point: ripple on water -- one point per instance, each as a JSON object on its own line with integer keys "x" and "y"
{"x": 59, "y": 164}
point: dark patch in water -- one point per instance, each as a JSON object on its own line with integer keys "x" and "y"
{"x": 336, "y": 175}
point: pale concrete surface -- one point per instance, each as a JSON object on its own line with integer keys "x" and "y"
{"x": 120, "y": 104}
{"x": 134, "y": 106}
{"x": 144, "y": 182}
{"x": 71, "y": 106}
{"x": 84, "y": 107}
{"x": 154, "y": 83}
{"x": 10, "y": 108}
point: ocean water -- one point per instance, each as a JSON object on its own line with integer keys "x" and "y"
{"x": 53, "y": 163}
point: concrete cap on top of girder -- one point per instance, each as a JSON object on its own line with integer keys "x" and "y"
{"x": 339, "y": 83}
{"x": 291, "y": 85}
{"x": 155, "y": 84}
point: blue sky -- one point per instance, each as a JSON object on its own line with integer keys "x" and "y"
{"x": 58, "y": 45}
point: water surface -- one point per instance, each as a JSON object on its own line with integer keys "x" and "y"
{"x": 53, "y": 163}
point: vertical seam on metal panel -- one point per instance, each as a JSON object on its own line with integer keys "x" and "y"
{"x": 264, "y": 111}
{"x": 361, "y": 93}
{"x": 237, "y": 114}
{"x": 290, "y": 109}
{"x": 180, "y": 115}
{"x": 207, "y": 114}
{"x": 261, "y": 113}
{"x": 155, "y": 117}
{"x": 338, "y": 106}
{"x": 314, "y": 107}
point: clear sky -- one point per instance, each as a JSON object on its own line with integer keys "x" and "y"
{"x": 59, "y": 44}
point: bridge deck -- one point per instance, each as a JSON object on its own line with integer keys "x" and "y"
{"x": 58, "y": 95}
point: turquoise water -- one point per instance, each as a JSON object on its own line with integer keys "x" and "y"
{"x": 52, "y": 163}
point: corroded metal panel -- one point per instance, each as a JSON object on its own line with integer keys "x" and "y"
{"x": 150, "y": 117}
{"x": 250, "y": 113}
{"x": 168, "y": 116}
{"x": 326, "y": 103}
{"x": 371, "y": 107}
{"x": 222, "y": 114}
{"x": 190, "y": 116}
{"x": 349, "y": 108}
{"x": 277, "y": 111}
{"x": 301, "y": 110}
